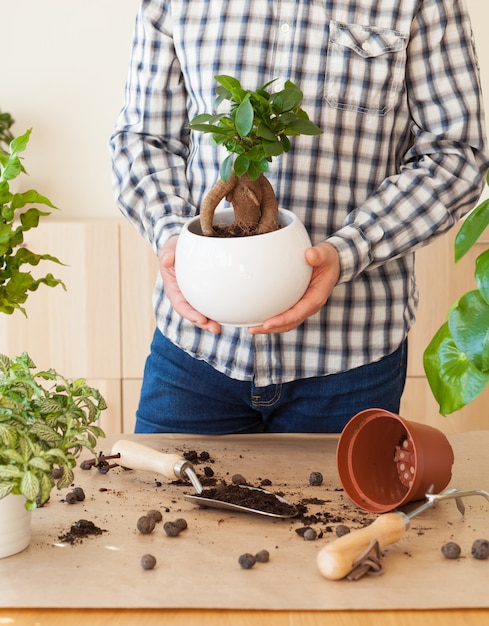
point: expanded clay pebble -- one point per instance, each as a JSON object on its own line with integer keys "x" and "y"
{"x": 247, "y": 560}
{"x": 310, "y": 534}
{"x": 238, "y": 479}
{"x": 480, "y": 549}
{"x": 148, "y": 561}
{"x": 171, "y": 529}
{"x": 316, "y": 479}
{"x": 156, "y": 515}
{"x": 451, "y": 550}
{"x": 71, "y": 498}
{"x": 145, "y": 525}
{"x": 181, "y": 523}
{"x": 341, "y": 530}
{"x": 79, "y": 493}
{"x": 263, "y": 556}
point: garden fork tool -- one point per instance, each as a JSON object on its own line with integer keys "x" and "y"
{"x": 342, "y": 556}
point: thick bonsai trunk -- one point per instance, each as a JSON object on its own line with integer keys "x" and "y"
{"x": 254, "y": 203}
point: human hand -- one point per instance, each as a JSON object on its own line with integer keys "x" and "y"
{"x": 166, "y": 258}
{"x": 325, "y": 262}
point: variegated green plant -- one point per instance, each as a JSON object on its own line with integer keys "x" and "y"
{"x": 46, "y": 421}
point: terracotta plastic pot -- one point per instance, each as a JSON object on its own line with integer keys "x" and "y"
{"x": 385, "y": 461}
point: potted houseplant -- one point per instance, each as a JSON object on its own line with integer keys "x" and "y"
{"x": 45, "y": 420}
{"x": 231, "y": 264}
{"x": 456, "y": 361}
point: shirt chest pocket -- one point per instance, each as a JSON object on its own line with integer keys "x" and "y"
{"x": 364, "y": 67}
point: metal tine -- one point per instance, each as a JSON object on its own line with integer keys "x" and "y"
{"x": 458, "y": 495}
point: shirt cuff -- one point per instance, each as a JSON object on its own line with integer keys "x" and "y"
{"x": 353, "y": 250}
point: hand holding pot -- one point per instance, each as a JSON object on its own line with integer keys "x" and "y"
{"x": 166, "y": 258}
{"x": 324, "y": 260}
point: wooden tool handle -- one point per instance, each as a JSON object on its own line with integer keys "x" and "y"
{"x": 336, "y": 560}
{"x": 137, "y": 456}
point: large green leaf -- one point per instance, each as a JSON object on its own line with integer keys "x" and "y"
{"x": 453, "y": 379}
{"x": 468, "y": 322}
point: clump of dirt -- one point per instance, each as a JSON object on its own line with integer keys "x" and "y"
{"x": 250, "y": 498}
{"x": 80, "y": 530}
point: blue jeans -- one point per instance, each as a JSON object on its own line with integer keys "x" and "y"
{"x": 181, "y": 394}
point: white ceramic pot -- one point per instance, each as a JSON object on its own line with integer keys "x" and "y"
{"x": 242, "y": 281}
{"x": 15, "y": 525}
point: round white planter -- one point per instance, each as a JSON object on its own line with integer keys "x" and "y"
{"x": 243, "y": 281}
{"x": 15, "y": 525}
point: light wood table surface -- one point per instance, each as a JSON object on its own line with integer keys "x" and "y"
{"x": 47, "y": 585}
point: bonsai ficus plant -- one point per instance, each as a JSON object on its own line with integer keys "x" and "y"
{"x": 255, "y": 129}
{"x": 46, "y": 421}
{"x": 456, "y": 360}
{"x": 18, "y": 214}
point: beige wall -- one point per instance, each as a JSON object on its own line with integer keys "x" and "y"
{"x": 63, "y": 70}
{"x": 62, "y": 73}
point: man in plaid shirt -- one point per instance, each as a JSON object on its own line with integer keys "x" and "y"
{"x": 394, "y": 85}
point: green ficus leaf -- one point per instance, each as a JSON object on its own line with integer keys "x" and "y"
{"x": 273, "y": 148}
{"x": 228, "y": 82}
{"x": 241, "y": 165}
{"x": 226, "y": 168}
{"x": 244, "y": 118}
{"x": 288, "y": 98}
{"x": 302, "y": 127}
{"x": 209, "y": 128}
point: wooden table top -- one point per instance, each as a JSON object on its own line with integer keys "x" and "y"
{"x": 197, "y": 579}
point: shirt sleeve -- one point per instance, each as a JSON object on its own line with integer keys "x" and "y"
{"x": 441, "y": 174}
{"x": 149, "y": 144}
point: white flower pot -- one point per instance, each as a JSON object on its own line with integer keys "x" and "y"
{"x": 15, "y": 525}
{"x": 242, "y": 281}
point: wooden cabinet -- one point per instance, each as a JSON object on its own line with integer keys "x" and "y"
{"x": 101, "y": 327}
{"x": 98, "y": 328}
